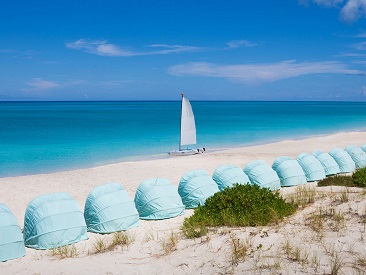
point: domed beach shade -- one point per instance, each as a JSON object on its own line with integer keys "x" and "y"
{"x": 363, "y": 147}
{"x": 261, "y": 174}
{"x": 109, "y": 208}
{"x": 312, "y": 167}
{"x": 228, "y": 175}
{"x": 11, "y": 237}
{"x": 53, "y": 220}
{"x": 329, "y": 164}
{"x": 343, "y": 159}
{"x": 158, "y": 199}
{"x": 289, "y": 171}
{"x": 195, "y": 187}
{"x": 357, "y": 155}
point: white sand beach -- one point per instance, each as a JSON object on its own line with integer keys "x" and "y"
{"x": 309, "y": 250}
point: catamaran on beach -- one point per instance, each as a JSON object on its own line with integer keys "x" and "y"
{"x": 187, "y": 131}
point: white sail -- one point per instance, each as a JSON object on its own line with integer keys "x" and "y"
{"x": 188, "y": 126}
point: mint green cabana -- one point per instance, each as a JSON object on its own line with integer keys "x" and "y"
{"x": 228, "y": 175}
{"x": 343, "y": 159}
{"x": 261, "y": 174}
{"x": 11, "y": 237}
{"x": 363, "y": 147}
{"x": 329, "y": 164}
{"x": 195, "y": 187}
{"x": 158, "y": 199}
{"x": 357, "y": 155}
{"x": 312, "y": 167}
{"x": 53, "y": 220}
{"x": 289, "y": 171}
{"x": 109, "y": 208}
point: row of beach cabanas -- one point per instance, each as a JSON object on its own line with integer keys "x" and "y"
{"x": 56, "y": 219}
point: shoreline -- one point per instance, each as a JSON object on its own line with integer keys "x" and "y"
{"x": 165, "y": 155}
{"x": 145, "y": 254}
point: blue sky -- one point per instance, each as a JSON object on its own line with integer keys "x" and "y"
{"x": 211, "y": 50}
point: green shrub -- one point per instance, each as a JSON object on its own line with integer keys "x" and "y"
{"x": 359, "y": 177}
{"x": 337, "y": 180}
{"x": 241, "y": 205}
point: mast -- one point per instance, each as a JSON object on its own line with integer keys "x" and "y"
{"x": 181, "y": 110}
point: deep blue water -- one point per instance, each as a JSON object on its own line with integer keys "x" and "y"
{"x": 39, "y": 137}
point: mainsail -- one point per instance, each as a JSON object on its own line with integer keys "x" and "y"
{"x": 187, "y": 124}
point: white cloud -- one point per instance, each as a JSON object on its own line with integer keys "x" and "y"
{"x": 38, "y": 84}
{"x": 351, "y": 10}
{"x": 260, "y": 73}
{"x": 101, "y": 47}
{"x": 239, "y": 43}
{"x": 360, "y": 46}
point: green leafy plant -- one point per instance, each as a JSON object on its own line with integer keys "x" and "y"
{"x": 338, "y": 180}
{"x": 240, "y": 205}
{"x": 359, "y": 177}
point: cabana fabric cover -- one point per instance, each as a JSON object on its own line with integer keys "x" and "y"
{"x": 343, "y": 159}
{"x": 312, "y": 167}
{"x": 262, "y": 175}
{"x": 158, "y": 199}
{"x": 11, "y": 237}
{"x": 195, "y": 187}
{"x": 53, "y": 220}
{"x": 329, "y": 164}
{"x": 363, "y": 147}
{"x": 357, "y": 155}
{"x": 289, "y": 171}
{"x": 228, "y": 175}
{"x": 109, "y": 208}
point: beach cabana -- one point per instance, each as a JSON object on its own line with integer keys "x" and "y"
{"x": 11, "y": 237}
{"x": 343, "y": 159}
{"x": 228, "y": 175}
{"x": 195, "y": 187}
{"x": 109, "y": 208}
{"x": 312, "y": 167}
{"x": 289, "y": 171}
{"x": 329, "y": 164}
{"x": 363, "y": 147}
{"x": 53, "y": 220}
{"x": 357, "y": 155}
{"x": 158, "y": 199}
{"x": 261, "y": 174}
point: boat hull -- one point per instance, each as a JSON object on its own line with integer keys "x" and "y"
{"x": 187, "y": 152}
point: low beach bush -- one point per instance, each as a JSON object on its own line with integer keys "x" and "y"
{"x": 240, "y": 205}
{"x": 337, "y": 180}
{"x": 359, "y": 177}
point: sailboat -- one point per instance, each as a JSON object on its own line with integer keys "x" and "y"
{"x": 187, "y": 131}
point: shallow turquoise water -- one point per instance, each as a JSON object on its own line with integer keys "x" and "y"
{"x": 39, "y": 137}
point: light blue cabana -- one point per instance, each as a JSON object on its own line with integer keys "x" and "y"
{"x": 261, "y": 174}
{"x": 357, "y": 155}
{"x": 343, "y": 159}
{"x": 289, "y": 171}
{"x": 53, "y": 220}
{"x": 363, "y": 147}
{"x": 109, "y": 208}
{"x": 11, "y": 237}
{"x": 158, "y": 199}
{"x": 195, "y": 187}
{"x": 312, "y": 167}
{"x": 329, "y": 164}
{"x": 228, "y": 175}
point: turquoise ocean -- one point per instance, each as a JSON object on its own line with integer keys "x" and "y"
{"x": 43, "y": 137}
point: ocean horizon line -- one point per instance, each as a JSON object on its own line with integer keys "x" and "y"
{"x": 178, "y": 100}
